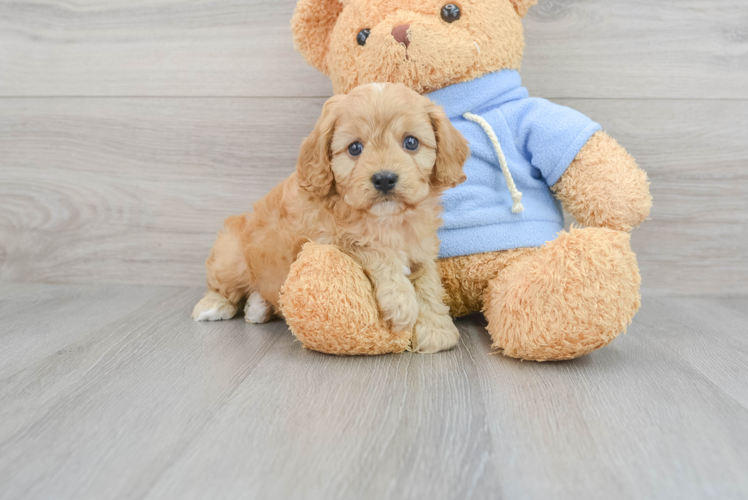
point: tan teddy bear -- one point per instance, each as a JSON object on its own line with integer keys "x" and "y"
{"x": 547, "y": 294}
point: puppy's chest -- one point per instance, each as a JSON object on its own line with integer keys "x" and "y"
{"x": 407, "y": 238}
{"x": 413, "y": 270}
{"x": 399, "y": 235}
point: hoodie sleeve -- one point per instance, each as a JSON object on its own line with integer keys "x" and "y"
{"x": 547, "y": 134}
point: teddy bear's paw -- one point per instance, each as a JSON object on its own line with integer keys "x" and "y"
{"x": 329, "y": 304}
{"x": 434, "y": 333}
{"x": 575, "y": 295}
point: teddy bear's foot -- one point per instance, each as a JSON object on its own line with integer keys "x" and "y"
{"x": 329, "y": 304}
{"x": 575, "y": 295}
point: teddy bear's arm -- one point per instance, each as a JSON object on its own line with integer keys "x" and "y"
{"x": 604, "y": 187}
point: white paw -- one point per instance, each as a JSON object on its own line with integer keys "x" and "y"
{"x": 402, "y": 312}
{"x": 257, "y": 310}
{"x": 433, "y": 333}
{"x": 213, "y": 307}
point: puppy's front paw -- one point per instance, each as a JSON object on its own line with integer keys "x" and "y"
{"x": 401, "y": 310}
{"x": 434, "y": 332}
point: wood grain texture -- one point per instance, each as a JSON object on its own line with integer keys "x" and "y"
{"x": 166, "y": 116}
{"x": 123, "y": 190}
{"x": 575, "y": 48}
{"x": 152, "y": 48}
{"x": 691, "y": 49}
{"x": 134, "y": 190}
{"x": 633, "y": 420}
{"x": 148, "y": 404}
{"x": 709, "y": 334}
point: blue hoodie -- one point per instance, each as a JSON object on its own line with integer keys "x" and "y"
{"x": 539, "y": 140}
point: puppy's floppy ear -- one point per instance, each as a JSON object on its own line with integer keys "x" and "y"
{"x": 312, "y": 24}
{"x": 522, "y": 6}
{"x": 314, "y": 167}
{"x": 452, "y": 151}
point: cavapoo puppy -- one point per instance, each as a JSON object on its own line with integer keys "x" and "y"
{"x": 368, "y": 180}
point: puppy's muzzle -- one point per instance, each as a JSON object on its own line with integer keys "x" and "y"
{"x": 384, "y": 181}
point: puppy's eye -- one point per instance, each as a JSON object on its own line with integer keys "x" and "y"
{"x": 411, "y": 143}
{"x": 362, "y": 36}
{"x": 451, "y": 13}
{"x": 355, "y": 149}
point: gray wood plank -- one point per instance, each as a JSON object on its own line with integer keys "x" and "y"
{"x": 61, "y": 316}
{"x": 738, "y": 304}
{"x": 134, "y": 190}
{"x": 154, "y": 48}
{"x": 625, "y": 48}
{"x": 153, "y": 405}
{"x": 575, "y": 48}
{"x": 324, "y": 428}
{"x": 633, "y": 420}
{"x": 708, "y": 334}
{"x": 105, "y": 417}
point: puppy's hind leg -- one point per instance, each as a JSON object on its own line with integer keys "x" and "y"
{"x": 228, "y": 275}
{"x": 258, "y": 310}
{"x": 213, "y": 307}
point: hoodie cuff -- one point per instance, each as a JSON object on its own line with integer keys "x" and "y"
{"x": 571, "y": 152}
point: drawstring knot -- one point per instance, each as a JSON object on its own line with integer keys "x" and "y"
{"x": 517, "y": 206}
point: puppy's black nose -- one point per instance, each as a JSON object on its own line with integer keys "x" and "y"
{"x": 384, "y": 181}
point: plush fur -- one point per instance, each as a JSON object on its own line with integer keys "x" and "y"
{"x": 557, "y": 302}
{"x": 326, "y": 327}
{"x": 488, "y": 35}
{"x": 332, "y": 199}
{"x": 566, "y": 299}
{"x": 466, "y": 278}
{"x": 604, "y": 188}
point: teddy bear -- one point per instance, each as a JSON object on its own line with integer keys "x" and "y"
{"x": 546, "y": 293}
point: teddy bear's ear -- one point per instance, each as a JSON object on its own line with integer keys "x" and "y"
{"x": 312, "y": 24}
{"x": 522, "y": 6}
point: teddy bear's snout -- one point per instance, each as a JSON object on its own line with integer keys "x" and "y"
{"x": 400, "y": 33}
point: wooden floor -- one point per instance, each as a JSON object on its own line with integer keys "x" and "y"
{"x": 130, "y": 129}
{"x": 112, "y": 392}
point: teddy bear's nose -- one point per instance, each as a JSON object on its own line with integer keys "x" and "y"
{"x": 401, "y": 34}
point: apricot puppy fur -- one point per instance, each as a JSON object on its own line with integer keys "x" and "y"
{"x": 368, "y": 181}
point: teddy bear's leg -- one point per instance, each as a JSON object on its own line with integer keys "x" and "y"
{"x": 329, "y": 304}
{"x": 466, "y": 278}
{"x": 574, "y": 295}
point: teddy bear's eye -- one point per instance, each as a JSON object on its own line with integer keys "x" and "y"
{"x": 451, "y": 13}
{"x": 362, "y": 36}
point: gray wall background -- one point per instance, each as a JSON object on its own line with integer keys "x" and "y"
{"x": 130, "y": 129}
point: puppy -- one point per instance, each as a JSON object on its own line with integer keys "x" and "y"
{"x": 368, "y": 180}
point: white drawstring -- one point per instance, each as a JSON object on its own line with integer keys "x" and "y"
{"x": 517, "y": 207}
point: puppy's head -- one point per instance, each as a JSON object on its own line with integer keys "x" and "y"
{"x": 383, "y": 149}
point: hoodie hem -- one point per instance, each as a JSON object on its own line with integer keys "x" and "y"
{"x": 497, "y": 237}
